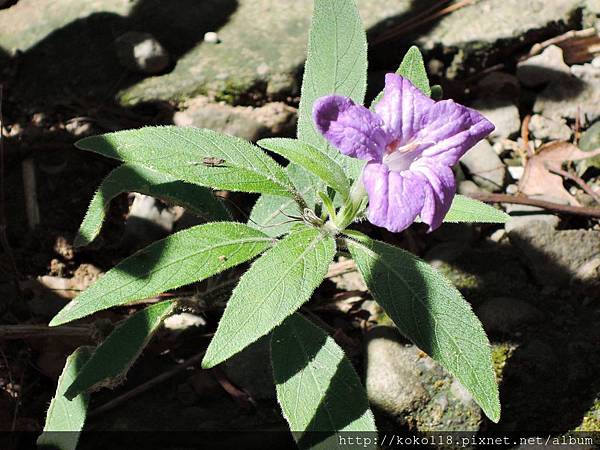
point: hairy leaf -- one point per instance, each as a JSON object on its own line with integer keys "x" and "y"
{"x": 112, "y": 359}
{"x": 318, "y": 390}
{"x": 195, "y": 155}
{"x": 128, "y": 178}
{"x": 432, "y": 313}
{"x": 276, "y": 285}
{"x": 66, "y": 417}
{"x": 465, "y": 209}
{"x": 336, "y": 64}
{"x": 412, "y": 68}
{"x": 185, "y": 257}
{"x": 311, "y": 159}
{"x": 271, "y": 213}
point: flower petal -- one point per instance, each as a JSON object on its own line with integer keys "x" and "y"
{"x": 439, "y": 192}
{"x": 395, "y": 198}
{"x": 402, "y": 107}
{"x": 449, "y": 130}
{"x": 352, "y": 129}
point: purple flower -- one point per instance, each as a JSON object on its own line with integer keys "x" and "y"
{"x": 410, "y": 144}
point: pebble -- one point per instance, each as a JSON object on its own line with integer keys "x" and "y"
{"x": 506, "y": 314}
{"x": 141, "y": 52}
{"x": 548, "y": 129}
{"x": 211, "y": 38}
{"x": 503, "y": 114}
{"x": 543, "y": 68}
{"x": 485, "y": 167}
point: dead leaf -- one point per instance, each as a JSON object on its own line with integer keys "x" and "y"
{"x": 539, "y": 180}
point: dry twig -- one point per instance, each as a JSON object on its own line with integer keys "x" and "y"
{"x": 550, "y": 206}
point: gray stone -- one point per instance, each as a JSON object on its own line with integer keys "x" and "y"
{"x": 467, "y": 187}
{"x": 503, "y": 114}
{"x": 211, "y": 37}
{"x": 446, "y": 252}
{"x": 568, "y": 97}
{"x": 543, "y": 68}
{"x": 548, "y": 129}
{"x": 141, "y": 52}
{"x": 506, "y": 314}
{"x": 251, "y": 370}
{"x": 148, "y": 220}
{"x": 183, "y": 321}
{"x": 523, "y": 216}
{"x": 485, "y": 167}
{"x": 407, "y": 386}
{"x": 559, "y": 257}
{"x": 499, "y": 85}
{"x": 590, "y": 140}
{"x": 392, "y": 378}
{"x": 245, "y": 122}
{"x": 489, "y": 26}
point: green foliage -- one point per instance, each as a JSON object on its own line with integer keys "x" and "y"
{"x": 112, "y": 359}
{"x": 197, "y": 156}
{"x": 432, "y": 313}
{"x": 185, "y": 257}
{"x": 274, "y": 287}
{"x": 412, "y": 68}
{"x": 317, "y": 387}
{"x": 465, "y": 209}
{"x": 271, "y": 213}
{"x": 309, "y": 158}
{"x": 128, "y": 178}
{"x": 336, "y": 64}
{"x": 66, "y": 415}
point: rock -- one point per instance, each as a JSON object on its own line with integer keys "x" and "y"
{"x": 446, "y": 252}
{"x": 522, "y": 216}
{"x": 211, "y": 37}
{"x": 406, "y": 386}
{"x": 251, "y": 370}
{"x": 252, "y": 33}
{"x": 548, "y": 129}
{"x": 503, "y": 114}
{"x": 516, "y": 173}
{"x": 559, "y": 257}
{"x": 141, "y": 52}
{"x": 245, "y": 122}
{"x": 499, "y": 85}
{"x": 183, "y": 321}
{"x": 148, "y": 220}
{"x": 543, "y": 68}
{"x": 392, "y": 379}
{"x": 485, "y": 167}
{"x": 568, "y": 97}
{"x": 467, "y": 187}
{"x": 493, "y": 28}
{"x": 506, "y": 314}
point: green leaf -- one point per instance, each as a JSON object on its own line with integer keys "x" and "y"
{"x": 112, "y": 359}
{"x": 270, "y": 213}
{"x": 185, "y": 257}
{"x": 311, "y": 159}
{"x": 336, "y": 64}
{"x": 128, "y": 178}
{"x": 276, "y": 285}
{"x": 65, "y": 418}
{"x": 432, "y": 313}
{"x": 412, "y": 68}
{"x": 465, "y": 209}
{"x": 195, "y": 155}
{"x": 317, "y": 387}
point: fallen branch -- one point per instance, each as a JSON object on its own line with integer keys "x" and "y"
{"x": 8, "y": 332}
{"x": 582, "y": 184}
{"x": 550, "y": 206}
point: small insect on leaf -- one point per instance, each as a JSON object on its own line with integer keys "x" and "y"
{"x": 222, "y": 258}
{"x": 211, "y": 161}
